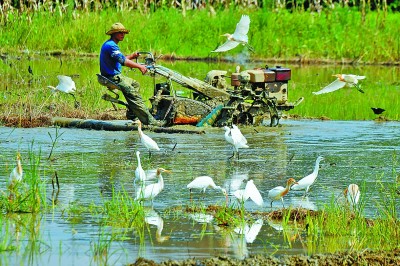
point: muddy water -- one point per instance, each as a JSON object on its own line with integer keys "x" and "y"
{"x": 90, "y": 163}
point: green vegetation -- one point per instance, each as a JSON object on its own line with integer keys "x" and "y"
{"x": 339, "y": 33}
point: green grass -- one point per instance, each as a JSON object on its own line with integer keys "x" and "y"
{"x": 334, "y": 34}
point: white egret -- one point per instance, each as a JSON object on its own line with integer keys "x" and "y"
{"x": 139, "y": 172}
{"x": 238, "y": 37}
{"x": 352, "y": 194}
{"x": 16, "y": 174}
{"x": 279, "y": 192}
{"x": 66, "y": 85}
{"x": 235, "y": 137}
{"x": 146, "y": 141}
{"x": 250, "y": 191}
{"x": 342, "y": 80}
{"x": 152, "y": 190}
{"x": 307, "y": 181}
{"x": 203, "y": 182}
{"x": 238, "y": 136}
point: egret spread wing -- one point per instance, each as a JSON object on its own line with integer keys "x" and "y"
{"x": 66, "y": 84}
{"x": 252, "y": 192}
{"x": 228, "y": 45}
{"x": 242, "y": 28}
{"x": 337, "y": 84}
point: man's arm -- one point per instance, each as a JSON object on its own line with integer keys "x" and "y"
{"x": 129, "y": 63}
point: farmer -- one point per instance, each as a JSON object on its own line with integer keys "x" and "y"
{"x": 111, "y": 62}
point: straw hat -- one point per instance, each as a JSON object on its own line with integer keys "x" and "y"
{"x": 117, "y": 27}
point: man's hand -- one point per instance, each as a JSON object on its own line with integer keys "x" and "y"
{"x": 133, "y": 56}
{"x": 143, "y": 69}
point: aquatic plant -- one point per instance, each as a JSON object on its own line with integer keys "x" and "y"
{"x": 54, "y": 141}
{"x": 101, "y": 246}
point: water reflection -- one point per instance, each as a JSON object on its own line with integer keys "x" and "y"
{"x": 63, "y": 196}
{"x": 236, "y": 181}
{"x": 303, "y": 202}
{"x": 250, "y": 232}
{"x": 201, "y": 217}
{"x": 153, "y": 218}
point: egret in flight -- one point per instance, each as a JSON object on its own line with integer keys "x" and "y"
{"x": 235, "y": 137}
{"x": 66, "y": 85}
{"x": 16, "y": 173}
{"x": 352, "y": 194}
{"x": 307, "y": 181}
{"x": 279, "y": 192}
{"x": 139, "y": 172}
{"x": 238, "y": 37}
{"x": 342, "y": 80}
{"x": 152, "y": 190}
{"x": 203, "y": 182}
{"x": 146, "y": 141}
{"x": 250, "y": 191}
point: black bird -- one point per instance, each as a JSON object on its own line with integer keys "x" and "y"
{"x": 30, "y": 70}
{"x": 377, "y": 110}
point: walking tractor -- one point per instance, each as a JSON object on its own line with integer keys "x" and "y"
{"x": 253, "y": 97}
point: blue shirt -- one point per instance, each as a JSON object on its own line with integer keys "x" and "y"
{"x": 111, "y": 59}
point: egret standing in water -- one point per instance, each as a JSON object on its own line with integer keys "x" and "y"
{"x": 139, "y": 172}
{"x": 279, "y": 192}
{"x": 203, "y": 182}
{"x": 235, "y": 137}
{"x": 342, "y": 80}
{"x": 152, "y": 190}
{"x": 66, "y": 85}
{"x": 307, "y": 181}
{"x": 146, "y": 141}
{"x": 251, "y": 192}
{"x": 16, "y": 174}
{"x": 238, "y": 37}
{"x": 352, "y": 194}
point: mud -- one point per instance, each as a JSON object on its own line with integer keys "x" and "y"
{"x": 366, "y": 257}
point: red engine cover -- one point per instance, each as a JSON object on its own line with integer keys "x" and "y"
{"x": 282, "y": 74}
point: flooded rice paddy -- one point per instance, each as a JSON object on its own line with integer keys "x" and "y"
{"x": 94, "y": 165}
{"x": 91, "y": 164}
